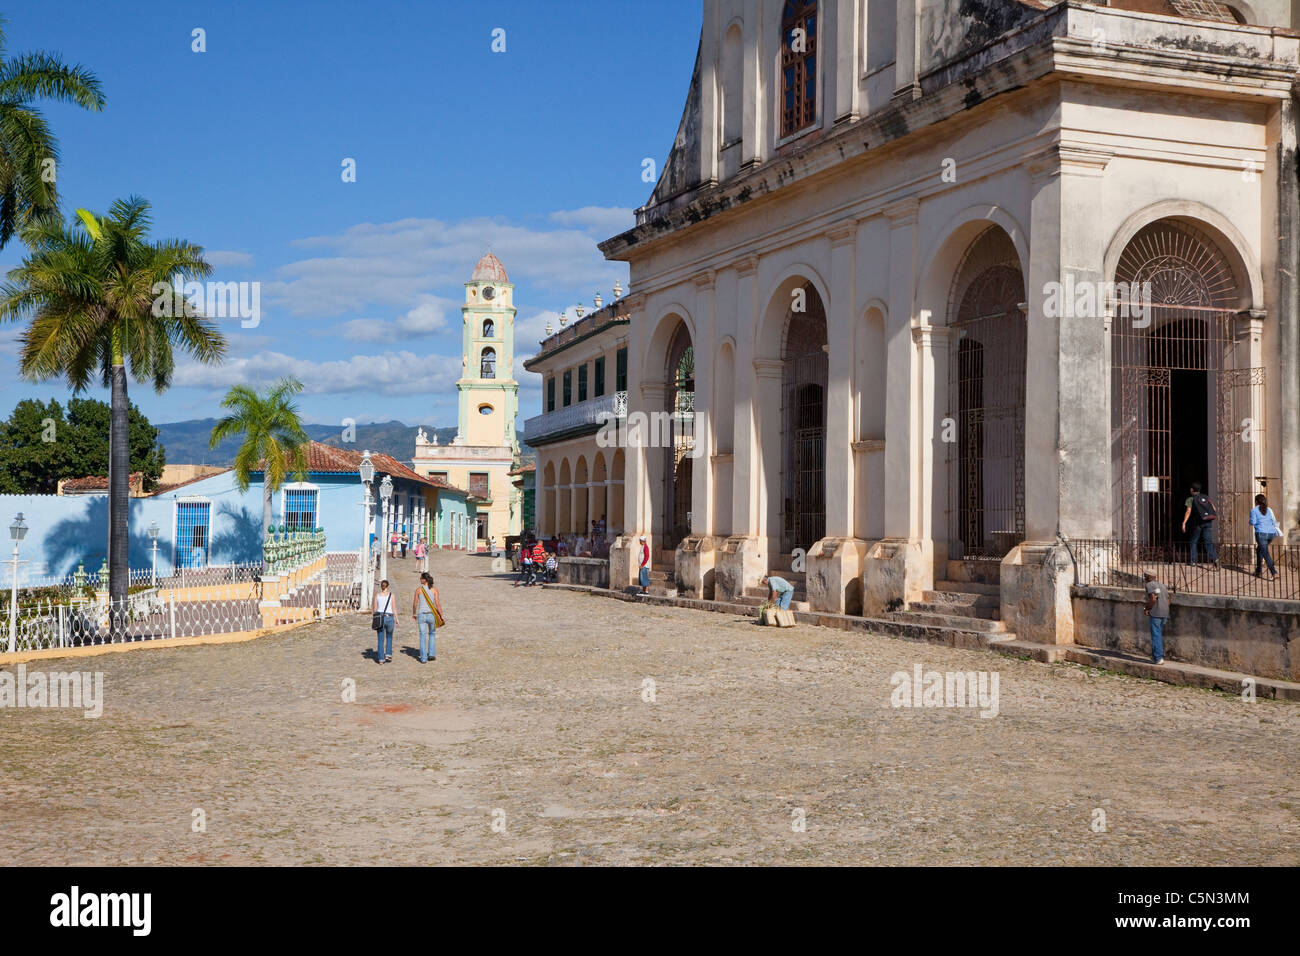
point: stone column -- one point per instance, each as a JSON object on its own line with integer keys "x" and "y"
{"x": 624, "y": 557}
{"x": 770, "y": 442}
{"x": 901, "y": 565}
{"x": 834, "y": 564}
{"x": 541, "y": 514}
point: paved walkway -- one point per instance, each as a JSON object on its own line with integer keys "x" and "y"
{"x": 534, "y": 716}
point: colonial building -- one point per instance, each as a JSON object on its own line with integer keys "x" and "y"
{"x": 579, "y": 476}
{"x": 969, "y": 289}
{"x": 485, "y": 449}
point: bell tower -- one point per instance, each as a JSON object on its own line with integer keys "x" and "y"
{"x": 487, "y": 391}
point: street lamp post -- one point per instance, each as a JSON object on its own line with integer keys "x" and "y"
{"x": 367, "y": 472}
{"x": 385, "y": 493}
{"x": 153, "y": 571}
{"x": 17, "y": 531}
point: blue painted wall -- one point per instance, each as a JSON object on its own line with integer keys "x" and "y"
{"x": 65, "y": 530}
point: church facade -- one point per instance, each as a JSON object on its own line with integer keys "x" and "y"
{"x": 969, "y": 290}
{"x": 485, "y": 450}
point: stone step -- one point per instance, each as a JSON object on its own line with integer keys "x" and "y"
{"x": 797, "y": 578}
{"x": 962, "y": 598}
{"x": 968, "y": 587}
{"x": 661, "y": 591}
{"x": 955, "y": 635}
{"x": 975, "y": 572}
{"x": 660, "y": 577}
{"x": 956, "y": 610}
{"x": 953, "y": 621}
{"x": 781, "y": 563}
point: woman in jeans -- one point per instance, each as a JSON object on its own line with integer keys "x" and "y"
{"x": 384, "y": 605}
{"x": 1264, "y": 522}
{"x": 426, "y": 599}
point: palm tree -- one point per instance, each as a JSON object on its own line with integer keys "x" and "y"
{"x": 274, "y": 440}
{"x": 28, "y": 152}
{"x": 94, "y": 296}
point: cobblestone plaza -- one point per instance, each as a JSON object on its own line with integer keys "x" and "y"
{"x": 577, "y": 729}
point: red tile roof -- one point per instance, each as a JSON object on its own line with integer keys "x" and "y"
{"x": 330, "y": 460}
{"x": 97, "y": 482}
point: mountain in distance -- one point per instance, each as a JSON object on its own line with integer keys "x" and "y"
{"x": 186, "y": 443}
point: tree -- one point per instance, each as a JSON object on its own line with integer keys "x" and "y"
{"x": 274, "y": 440}
{"x": 89, "y": 422}
{"x": 28, "y": 152}
{"x": 39, "y": 445}
{"x": 90, "y": 295}
{"x": 34, "y": 452}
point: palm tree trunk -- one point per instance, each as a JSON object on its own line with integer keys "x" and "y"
{"x": 266, "y": 505}
{"x": 119, "y": 502}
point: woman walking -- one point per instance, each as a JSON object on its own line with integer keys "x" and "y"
{"x": 1264, "y": 522}
{"x": 384, "y": 607}
{"x": 426, "y": 611}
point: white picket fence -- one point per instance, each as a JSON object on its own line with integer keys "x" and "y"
{"x": 227, "y": 601}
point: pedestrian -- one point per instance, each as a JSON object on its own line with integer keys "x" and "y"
{"x": 426, "y": 611}
{"x": 539, "y": 560}
{"x": 1264, "y": 522}
{"x": 405, "y": 538}
{"x": 1200, "y": 512}
{"x": 384, "y": 616}
{"x": 419, "y": 553}
{"x": 392, "y": 544}
{"x": 552, "y": 568}
{"x": 779, "y": 590}
{"x": 1157, "y": 613}
{"x": 643, "y": 575}
{"x": 525, "y": 563}
{"x": 492, "y": 545}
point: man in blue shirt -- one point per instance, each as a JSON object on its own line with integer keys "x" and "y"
{"x": 779, "y": 590}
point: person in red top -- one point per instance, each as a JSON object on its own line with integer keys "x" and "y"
{"x": 539, "y": 559}
{"x": 644, "y": 576}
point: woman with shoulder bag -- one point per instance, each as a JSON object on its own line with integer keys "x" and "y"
{"x": 383, "y": 621}
{"x": 426, "y": 611}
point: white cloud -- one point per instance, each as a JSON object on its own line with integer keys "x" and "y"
{"x": 224, "y": 258}
{"x": 604, "y": 221}
{"x": 428, "y": 317}
{"x": 389, "y": 373}
{"x": 405, "y": 261}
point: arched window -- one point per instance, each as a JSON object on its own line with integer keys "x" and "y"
{"x": 798, "y": 65}
{"x": 487, "y": 367}
{"x": 489, "y": 329}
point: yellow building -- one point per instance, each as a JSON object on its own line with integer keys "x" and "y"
{"x": 485, "y": 448}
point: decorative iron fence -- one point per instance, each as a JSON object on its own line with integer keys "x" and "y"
{"x": 1122, "y": 564}
{"x": 74, "y": 611}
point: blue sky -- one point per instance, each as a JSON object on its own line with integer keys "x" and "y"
{"x": 535, "y": 152}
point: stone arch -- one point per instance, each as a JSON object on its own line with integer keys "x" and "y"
{"x": 792, "y": 371}
{"x": 564, "y": 499}
{"x": 949, "y": 250}
{"x": 581, "y": 476}
{"x": 668, "y": 399}
{"x": 1227, "y": 237}
{"x": 1182, "y": 381}
{"x": 548, "y": 498}
{"x": 980, "y": 383}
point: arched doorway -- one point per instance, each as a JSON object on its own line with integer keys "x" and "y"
{"x": 986, "y": 401}
{"x": 804, "y": 376}
{"x": 1180, "y": 391}
{"x": 679, "y": 402}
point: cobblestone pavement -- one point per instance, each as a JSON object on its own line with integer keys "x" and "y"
{"x": 533, "y": 716}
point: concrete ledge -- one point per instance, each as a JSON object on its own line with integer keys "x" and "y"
{"x": 1170, "y": 672}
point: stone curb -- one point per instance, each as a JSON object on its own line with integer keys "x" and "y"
{"x": 1170, "y": 672}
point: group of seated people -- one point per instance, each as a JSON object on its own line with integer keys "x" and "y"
{"x": 594, "y": 544}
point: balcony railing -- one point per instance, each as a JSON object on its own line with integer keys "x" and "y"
{"x": 574, "y": 417}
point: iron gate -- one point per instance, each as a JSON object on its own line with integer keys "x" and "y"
{"x": 677, "y": 456}
{"x": 1186, "y": 405}
{"x": 804, "y": 377}
{"x": 986, "y": 402}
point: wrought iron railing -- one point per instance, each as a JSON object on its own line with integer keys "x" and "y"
{"x": 583, "y": 414}
{"x": 1123, "y": 564}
